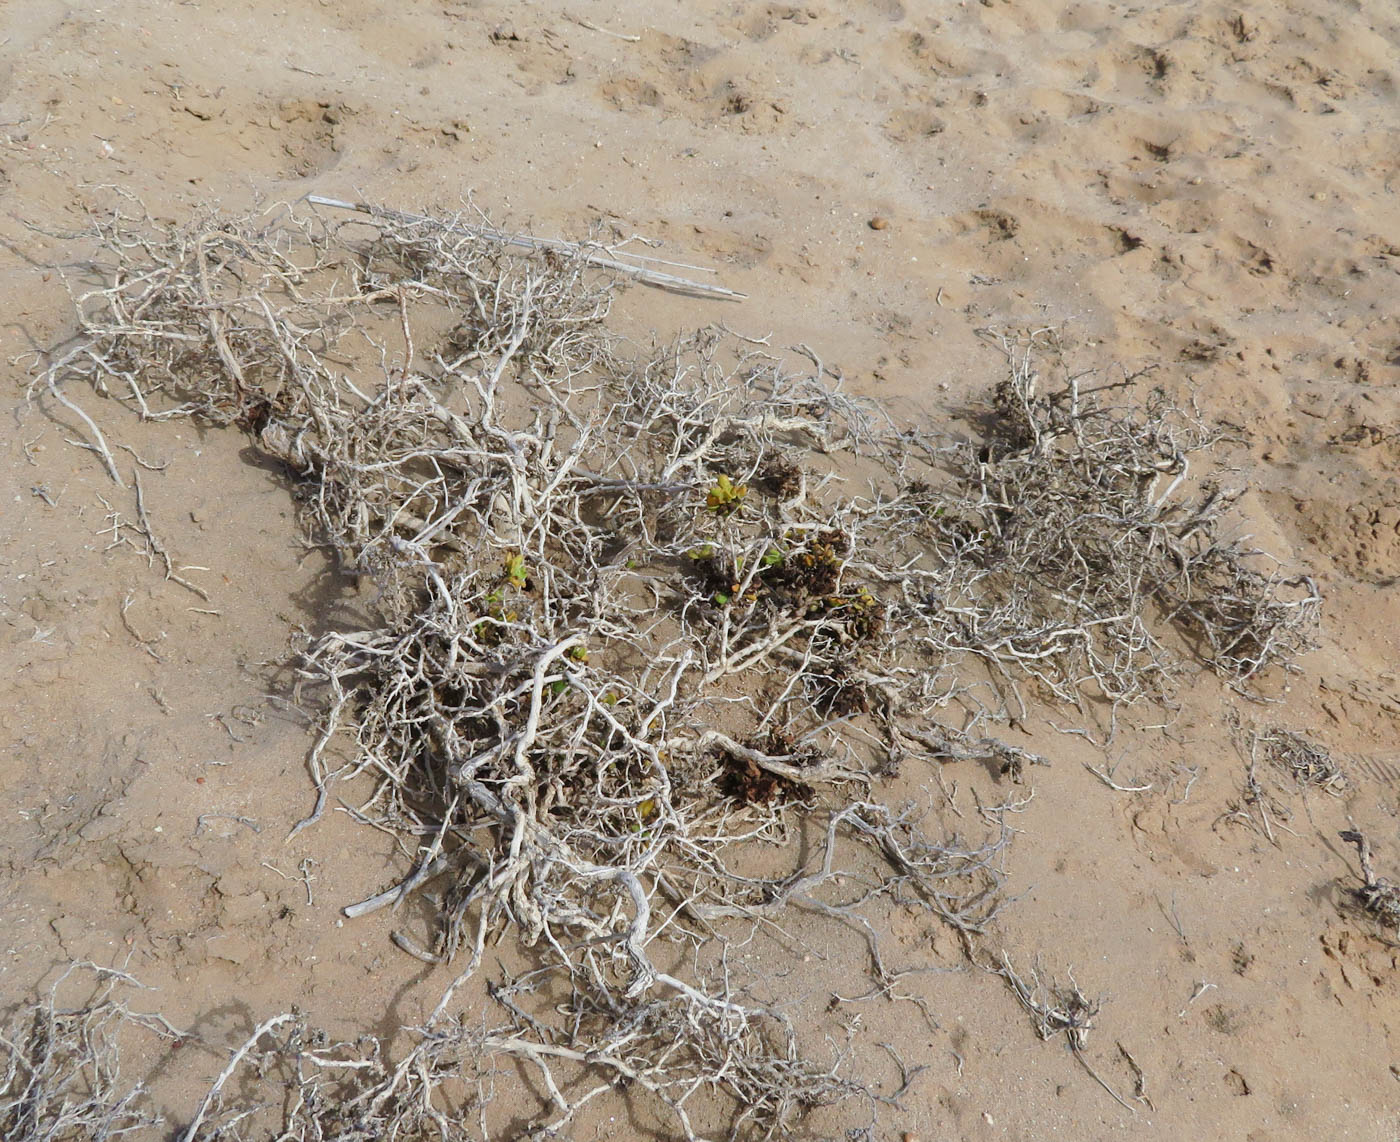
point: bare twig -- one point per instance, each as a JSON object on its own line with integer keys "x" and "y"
{"x": 582, "y": 23}
{"x": 207, "y": 1102}
{"x": 155, "y": 544}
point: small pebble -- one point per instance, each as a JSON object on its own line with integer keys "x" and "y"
{"x": 879, "y": 223}
{"x": 909, "y": 1136}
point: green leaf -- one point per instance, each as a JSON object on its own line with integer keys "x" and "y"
{"x": 726, "y": 496}
{"x": 515, "y": 569}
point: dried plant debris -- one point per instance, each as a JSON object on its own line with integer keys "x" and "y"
{"x": 640, "y": 611}
{"x": 1309, "y": 765}
{"x": 1063, "y": 1009}
{"x": 61, "y": 1063}
{"x": 60, "y": 1074}
{"x": 1077, "y": 522}
{"x": 1378, "y": 897}
{"x": 1056, "y": 1008}
{"x": 1280, "y": 762}
{"x": 1259, "y": 806}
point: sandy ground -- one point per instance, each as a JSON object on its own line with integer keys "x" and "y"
{"x": 1209, "y": 188}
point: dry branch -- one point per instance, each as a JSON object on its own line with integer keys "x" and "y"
{"x": 1377, "y": 895}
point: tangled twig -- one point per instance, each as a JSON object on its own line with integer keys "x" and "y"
{"x": 60, "y": 1065}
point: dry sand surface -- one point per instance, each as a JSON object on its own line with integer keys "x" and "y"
{"x": 1212, "y": 189}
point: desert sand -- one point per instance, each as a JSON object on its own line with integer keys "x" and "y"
{"x": 1203, "y": 188}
